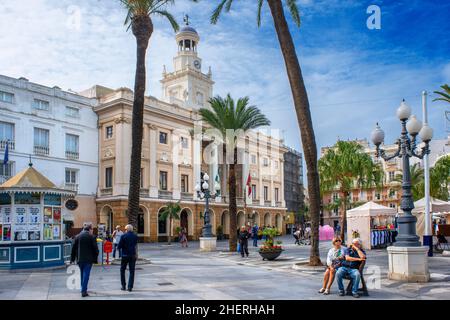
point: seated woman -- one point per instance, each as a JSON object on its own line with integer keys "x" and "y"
{"x": 335, "y": 257}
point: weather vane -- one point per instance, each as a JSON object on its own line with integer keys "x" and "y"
{"x": 186, "y": 19}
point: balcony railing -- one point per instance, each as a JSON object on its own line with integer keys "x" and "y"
{"x": 41, "y": 151}
{"x": 187, "y": 196}
{"x": 3, "y": 143}
{"x": 144, "y": 192}
{"x": 267, "y": 203}
{"x": 106, "y": 191}
{"x": 72, "y": 155}
{"x": 239, "y": 201}
{"x": 164, "y": 194}
{"x": 278, "y": 204}
{"x": 72, "y": 186}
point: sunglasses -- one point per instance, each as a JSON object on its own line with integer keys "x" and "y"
{"x": 337, "y": 241}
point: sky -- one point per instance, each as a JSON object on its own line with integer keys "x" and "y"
{"x": 355, "y": 76}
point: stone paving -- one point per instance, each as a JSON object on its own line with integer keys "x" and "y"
{"x": 188, "y": 274}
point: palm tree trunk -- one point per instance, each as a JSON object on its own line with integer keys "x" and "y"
{"x": 232, "y": 207}
{"x": 169, "y": 241}
{"x": 301, "y": 104}
{"x": 142, "y": 28}
{"x": 344, "y": 218}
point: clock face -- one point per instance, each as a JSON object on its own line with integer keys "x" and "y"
{"x": 197, "y": 64}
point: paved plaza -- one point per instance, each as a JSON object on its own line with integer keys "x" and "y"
{"x": 188, "y": 274}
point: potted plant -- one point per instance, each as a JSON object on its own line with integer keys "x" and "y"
{"x": 270, "y": 250}
{"x": 219, "y": 232}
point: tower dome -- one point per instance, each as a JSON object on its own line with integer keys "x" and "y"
{"x": 187, "y": 38}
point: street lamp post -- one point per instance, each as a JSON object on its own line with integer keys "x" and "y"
{"x": 203, "y": 192}
{"x": 407, "y": 238}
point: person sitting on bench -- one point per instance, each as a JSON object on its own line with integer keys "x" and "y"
{"x": 350, "y": 267}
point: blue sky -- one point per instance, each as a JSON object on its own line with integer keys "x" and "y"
{"x": 354, "y": 76}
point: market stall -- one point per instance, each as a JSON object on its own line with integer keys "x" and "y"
{"x": 373, "y": 224}
{"x": 440, "y": 212}
{"x": 32, "y": 232}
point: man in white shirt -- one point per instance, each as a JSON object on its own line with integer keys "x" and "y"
{"x": 117, "y": 234}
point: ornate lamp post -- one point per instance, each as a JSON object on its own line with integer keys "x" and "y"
{"x": 407, "y": 238}
{"x": 203, "y": 192}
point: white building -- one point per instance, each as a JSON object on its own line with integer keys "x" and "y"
{"x": 58, "y": 130}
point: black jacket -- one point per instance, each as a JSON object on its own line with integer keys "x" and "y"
{"x": 128, "y": 244}
{"x": 84, "y": 248}
{"x": 243, "y": 236}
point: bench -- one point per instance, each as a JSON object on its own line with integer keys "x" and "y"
{"x": 363, "y": 288}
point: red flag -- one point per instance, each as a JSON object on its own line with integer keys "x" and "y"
{"x": 249, "y": 185}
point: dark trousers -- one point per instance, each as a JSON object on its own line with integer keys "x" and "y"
{"x": 244, "y": 248}
{"x": 131, "y": 262}
{"x": 85, "y": 272}
{"x": 255, "y": 241}
{"x": 116, "y": 248}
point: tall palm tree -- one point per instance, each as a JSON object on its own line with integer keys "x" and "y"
{"x": 417, "y": 181}
{"x": 344, "y": 168}
{"x": 445, "y": 94}
{"x": 139, "y": 20}
{"x": 301, "y": 102}
{"x": 225, "y": 115}
{"x": 171, "y": 212}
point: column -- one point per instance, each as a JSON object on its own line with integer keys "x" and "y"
{"x": 272, "y": 188}
{"x": 245, "y": 173}
{"x": 215, "y": 171}
{"x": 176, "y": 194}
{"x": 121, "y": 170}
{"x": 153, "y": 155}
{"x": 261, "y": 187}
{"x": 197, "y": 156}
{"x": 283, "y": 203}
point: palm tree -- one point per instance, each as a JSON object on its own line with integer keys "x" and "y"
{"x": 440, "y": 178}
{"x": 417, "y": 181}
{"x": 225, "y": 115}
{"x": 344, "y": 168}
{"x": 171, "y": 212}
{"x": 139, "y": 20}
{"x": 445, "y": 94}
{"x": 301, "y": 103}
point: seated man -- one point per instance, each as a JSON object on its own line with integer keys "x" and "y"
{"x": 350, "y": 267}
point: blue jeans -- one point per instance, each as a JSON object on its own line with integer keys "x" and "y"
{"x": 85, "y": 271}
{"x": 114, "y": 251}
{"x": 354, "y": 275}
{"x": 255, "y": 241}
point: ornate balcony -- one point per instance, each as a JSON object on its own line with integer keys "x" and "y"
{"x": 72, "y": 155}
{"x": 187, "y": 196}
{"x": 3, "y": 143}
{"x": 106, "y": 191}
{"x": 71, "y": 186}
{"x": 164, "y": 194}
{"x": 145, "y": 193}
{"x": 41, "y": 151}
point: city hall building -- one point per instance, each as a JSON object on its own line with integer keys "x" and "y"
{"x": 174, "y": 157}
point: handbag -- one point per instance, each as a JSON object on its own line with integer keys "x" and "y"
{"x": 336, "y": 263}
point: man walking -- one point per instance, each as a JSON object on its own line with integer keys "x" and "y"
{"x": 85, "y": 252}
{"x": 117, "y": 234}
{"x": 255, "y": 234}
{"x": 127, "y": 244}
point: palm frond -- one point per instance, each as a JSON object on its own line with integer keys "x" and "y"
{"x": 169, "y": 17}
{"x": 258, "y": 17}
{"x": 293, "y": 9}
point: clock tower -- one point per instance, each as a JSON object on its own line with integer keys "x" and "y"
{"x": 187, "y": 85}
